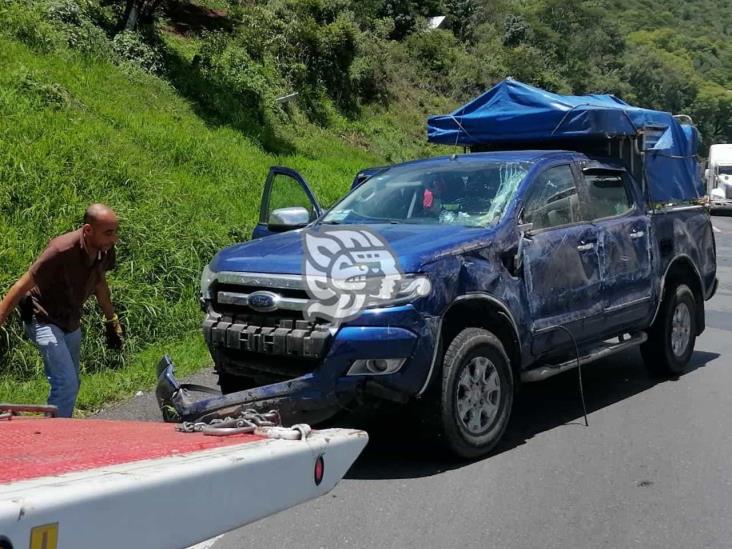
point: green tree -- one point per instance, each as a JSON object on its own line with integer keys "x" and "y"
{"x": 580, "y": 40}
{"x": 660, "y": 80}
{"x": 712, "y": 112}
{"x": 406, "y": 13}
{"x": 461, "y": 15}
{"x": 516, "y": 30}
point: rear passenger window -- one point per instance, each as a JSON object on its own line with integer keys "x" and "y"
{"x": 553, "y": 200}
{"x": 609, "y": 194}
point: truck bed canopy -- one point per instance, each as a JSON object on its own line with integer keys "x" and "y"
{"x": 513, "y": 114}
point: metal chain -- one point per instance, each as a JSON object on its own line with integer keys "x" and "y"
{"x": 246, "y": 422}
{"x": 267, "y": 424}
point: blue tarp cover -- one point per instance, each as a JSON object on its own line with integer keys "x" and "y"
{"x": 513, "y": 112}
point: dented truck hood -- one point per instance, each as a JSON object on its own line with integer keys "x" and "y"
{"x": 414, "y": 246}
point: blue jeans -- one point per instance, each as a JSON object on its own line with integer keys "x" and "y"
{"x": 60, "y": 353}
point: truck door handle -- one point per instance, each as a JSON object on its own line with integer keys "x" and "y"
{"x": 585, "y": 247}
{"x": 637, "y": 234}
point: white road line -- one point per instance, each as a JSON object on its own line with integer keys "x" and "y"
{"x": 206, "y": 544}
{"x": 716, "y": 230}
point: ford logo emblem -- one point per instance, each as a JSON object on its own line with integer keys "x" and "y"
{"x": 263, "y": 302}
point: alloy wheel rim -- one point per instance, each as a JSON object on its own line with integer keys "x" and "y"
{"x": 680, "y": 329}
{"x": 478, "y": 395}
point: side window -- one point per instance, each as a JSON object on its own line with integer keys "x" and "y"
{"x": 553, "y": 199}
{"x": 286, "y": 192}
{"x": 609, "y": 194}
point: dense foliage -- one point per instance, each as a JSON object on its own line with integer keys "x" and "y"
{"x": 677, "y": 57}
{"x": 175, "y": 119}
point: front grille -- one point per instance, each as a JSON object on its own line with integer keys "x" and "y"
{"x": 244, "y": 330}
{"x": 245, "y": 289}
{"x": 234, "y": 299}
{"x": 267, "y": 334}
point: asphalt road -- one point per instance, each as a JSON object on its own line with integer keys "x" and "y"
{"x": 653, "y": 469}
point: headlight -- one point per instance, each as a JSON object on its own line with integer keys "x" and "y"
{"x": 409, "y": 288}
{"x": 207, "y": 278}
{"x": 413, "y": 286}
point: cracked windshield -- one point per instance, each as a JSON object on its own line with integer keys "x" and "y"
{"x": 472, "y": 195}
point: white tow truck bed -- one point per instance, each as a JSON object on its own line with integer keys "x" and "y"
{"x": 93, "y": 484}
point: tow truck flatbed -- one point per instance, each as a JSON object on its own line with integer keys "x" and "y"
{"x": 83, "y": 484}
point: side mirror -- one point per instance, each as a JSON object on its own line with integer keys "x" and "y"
{"x": 285, "y": 219}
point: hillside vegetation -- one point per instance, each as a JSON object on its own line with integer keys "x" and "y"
{"x": 172, "y": 118}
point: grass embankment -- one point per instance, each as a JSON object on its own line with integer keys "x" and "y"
{"x": 75, "y": 130}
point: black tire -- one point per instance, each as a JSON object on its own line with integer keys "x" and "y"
{"x": 666, "y": 353}
{"x": 474, "y": 411}
{"x": 232, "y": 383}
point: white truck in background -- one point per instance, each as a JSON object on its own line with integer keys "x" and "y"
{"x": 718, "y": 176}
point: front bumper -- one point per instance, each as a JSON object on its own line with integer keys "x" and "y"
{"x": 297, "y": 400}
{"x": 720, "y": 204}
{"x": 318, "y": 394}
{"x": 720, "y": 198}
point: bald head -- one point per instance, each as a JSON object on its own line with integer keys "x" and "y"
{"x": 100, "y": 227}
{"x": 97, "y": 213}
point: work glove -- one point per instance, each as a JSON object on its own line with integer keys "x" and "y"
{"x": 114, "y": 333}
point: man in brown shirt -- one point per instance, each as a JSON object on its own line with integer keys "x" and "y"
{"x": 53, "y": 292}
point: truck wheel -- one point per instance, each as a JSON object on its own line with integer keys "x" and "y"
{"x": 672, "y": 337}
{"x": 477, "y": 393}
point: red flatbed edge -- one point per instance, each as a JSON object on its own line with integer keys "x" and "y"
{"x": 39, "y": 447}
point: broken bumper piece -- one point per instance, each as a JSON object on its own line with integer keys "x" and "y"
{"x": 297, "y": 400}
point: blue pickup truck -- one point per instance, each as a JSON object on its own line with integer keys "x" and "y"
{"x": 574, "y": 235}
